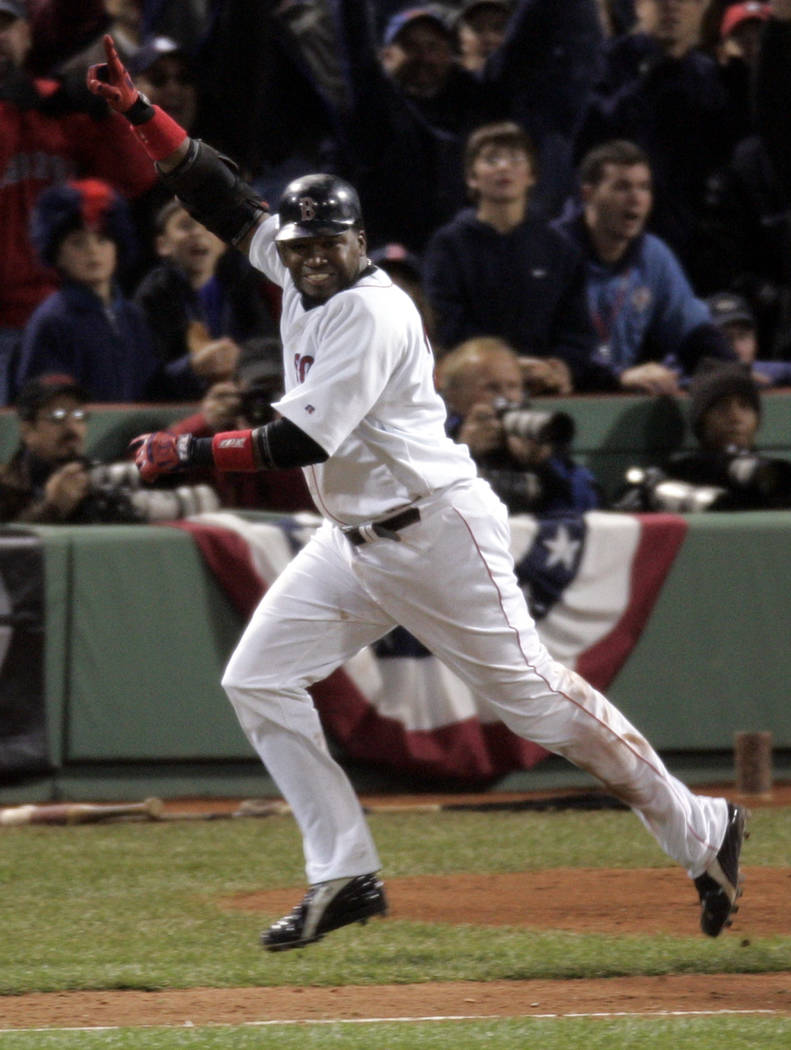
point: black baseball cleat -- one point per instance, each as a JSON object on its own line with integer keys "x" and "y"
{"x": 719, "y": 887}
{"x": 327, "y": 906}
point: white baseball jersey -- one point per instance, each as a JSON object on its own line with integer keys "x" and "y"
{"x": 359, "y": 381}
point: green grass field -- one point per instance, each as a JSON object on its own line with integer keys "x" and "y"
{"x": 144, "y": 906}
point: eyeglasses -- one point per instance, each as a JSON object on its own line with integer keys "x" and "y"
{"x": 60, "y": 415}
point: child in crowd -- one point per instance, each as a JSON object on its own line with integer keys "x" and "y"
{"x": 88, "y": 328}
{"x": 734, "y": 316}
{"x": 201, "y": 302}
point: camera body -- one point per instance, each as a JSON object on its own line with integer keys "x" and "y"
{"x": 547, "y": 428}
{"x": 256, "y": 405}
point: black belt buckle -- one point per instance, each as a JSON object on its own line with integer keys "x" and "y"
{"x": 386, "y": 529}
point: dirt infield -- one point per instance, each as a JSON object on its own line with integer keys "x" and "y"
{"x": 585, "y": 900}
{"x": 721, "y": 993}
{"x": 577, "y": 899}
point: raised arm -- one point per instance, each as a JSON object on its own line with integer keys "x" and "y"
{"x": 206, "y": 182}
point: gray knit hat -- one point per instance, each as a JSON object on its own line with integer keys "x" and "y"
{"x": 714, "y": 380}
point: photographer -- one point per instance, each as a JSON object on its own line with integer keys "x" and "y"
{"x": 725, "y": 472}
{"x": 246, "y": 401}
{"x": 49, "y": 480}
{"x": 522, "y": 453}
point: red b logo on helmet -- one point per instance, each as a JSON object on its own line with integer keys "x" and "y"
{"x": 307, "y": 209}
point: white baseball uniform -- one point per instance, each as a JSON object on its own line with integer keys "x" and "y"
{"x": 359, "y": 381}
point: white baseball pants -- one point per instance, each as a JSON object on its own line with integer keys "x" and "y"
{"x": 450, "y": 582}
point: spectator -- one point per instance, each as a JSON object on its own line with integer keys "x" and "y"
{"x": 740, "y": 32}
{"x": 406, "y": 270}
{"x": 412, "y": 105}
{"x": 200, "y": 302}
{"x": 418, "y": 55}
{"x": 46, "y": 479}
{"x": 87, "y": 328}
{"x": 164, "y": 71}
{"x": 241, "y": 402}
{"x": 652, "y": 330}
{"x": 732, "y": 314}
{"x": 725, "y": 472}
{"x": 497, "y": 270}
{"x": 747, "y": 207}
{"x": 50, "y": 480}
{"x": 659, "y": 90}
{"x": 523, "y": 454}
{"x": 480, "y": 29}
{"x": 49, "y": 130}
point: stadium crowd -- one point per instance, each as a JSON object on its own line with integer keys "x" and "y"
{"x": 585, "y": 185}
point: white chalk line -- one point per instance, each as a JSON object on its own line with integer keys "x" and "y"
{"x": 307, "y": 1021}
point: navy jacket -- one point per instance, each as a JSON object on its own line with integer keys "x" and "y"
{"x": 109, "y": 352}
{"x": 527, "y": 287}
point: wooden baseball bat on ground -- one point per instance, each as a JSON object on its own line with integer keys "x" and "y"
{"x": 78, "y": 812}
{"x": 248, "y": 808}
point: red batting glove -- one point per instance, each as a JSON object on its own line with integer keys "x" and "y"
{"x": 161, "y": 453}
{"x": 159, "y": 134}
{"x": 112, "y": 81}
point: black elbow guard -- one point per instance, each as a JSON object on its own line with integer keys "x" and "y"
{"x": 208, "y": 185}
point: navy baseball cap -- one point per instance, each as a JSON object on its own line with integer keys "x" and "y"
{"x": 17, "y": 8}
{"x": 728, "y": 308}
{"x": 151, "y": 51}
{"x": 401, "y": 19}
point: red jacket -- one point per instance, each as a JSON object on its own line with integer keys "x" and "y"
{"x": 45, "y": 139}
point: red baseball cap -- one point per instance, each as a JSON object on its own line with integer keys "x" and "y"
{"x": 738, "y": 13}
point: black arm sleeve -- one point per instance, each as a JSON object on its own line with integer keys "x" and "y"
{"x": 279, "y": 444}
{"x": 208, "y": 185}
{"x": 282, "y": 444}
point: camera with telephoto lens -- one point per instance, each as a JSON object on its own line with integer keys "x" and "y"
{"x": 649, "y": 488}
{"x": 738, "y": 481}
{"x": 117, "y": 497}
{"x": 766, "y": 478}
{"x": 547, "y": 428}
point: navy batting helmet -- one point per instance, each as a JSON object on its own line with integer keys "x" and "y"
{"x": 318, "y": 206}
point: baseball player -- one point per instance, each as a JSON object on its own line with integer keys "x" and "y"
{"x": 410, "y": 536}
